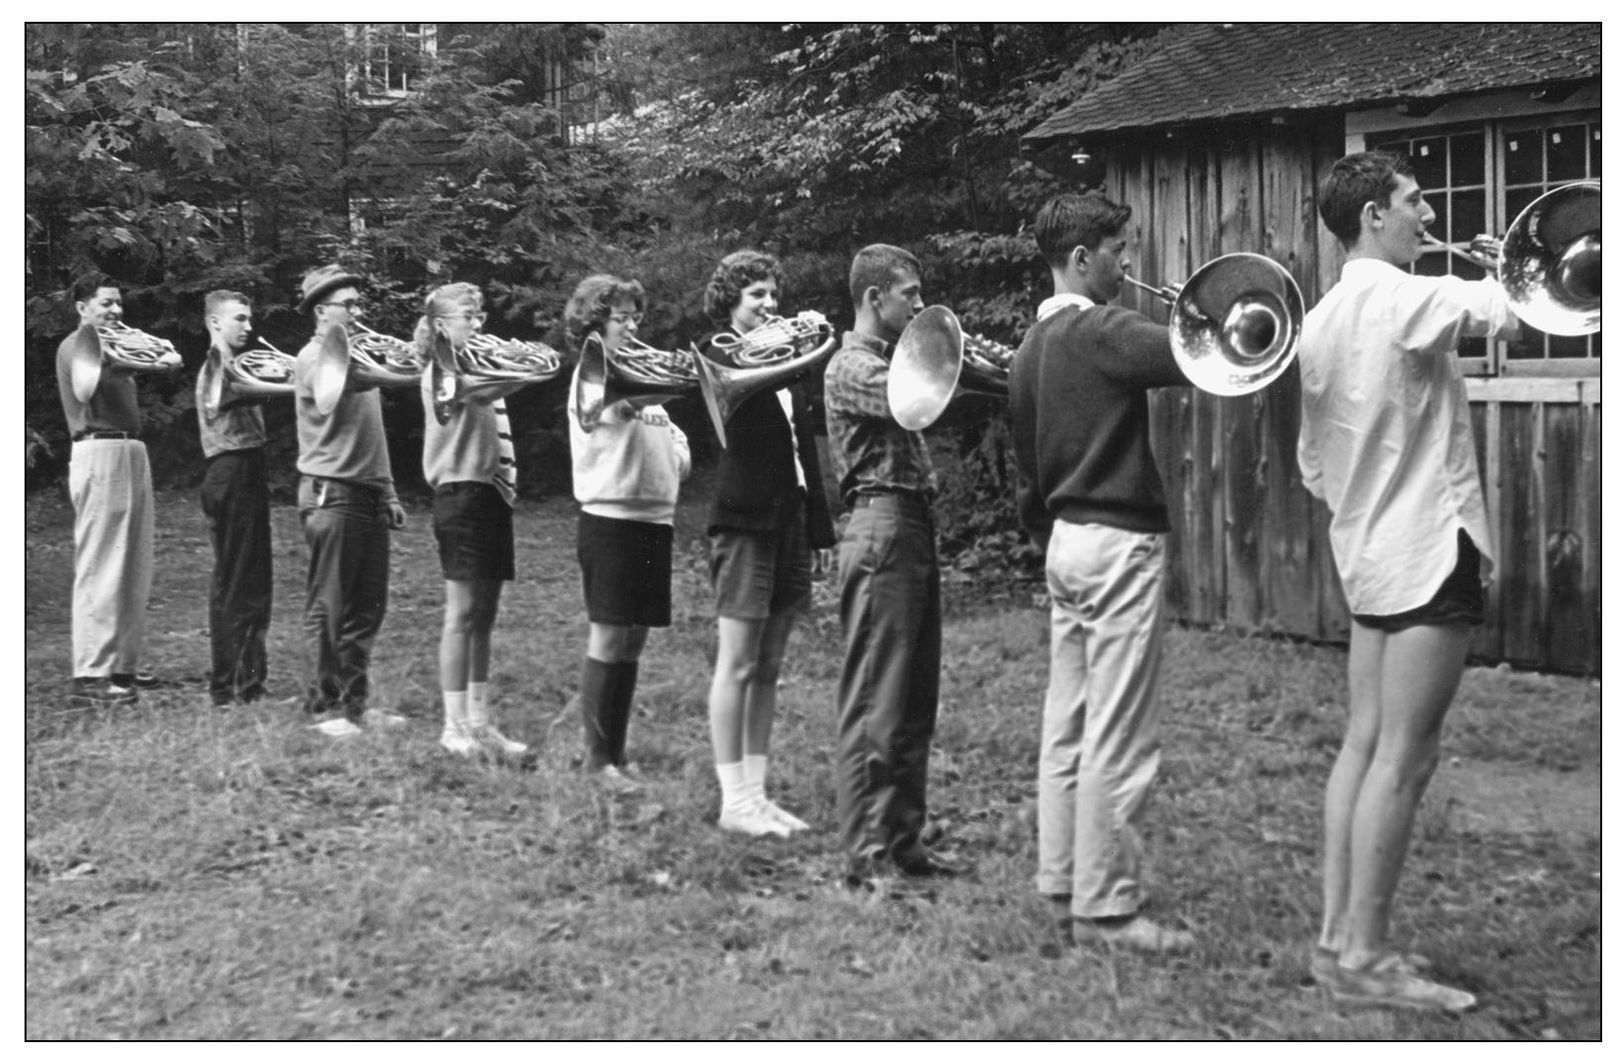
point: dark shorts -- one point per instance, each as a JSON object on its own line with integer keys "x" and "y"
{"x": 761, "y": 574}
{"x": 1460, "y": 599}
{"x": 625, "y": 566}
{"x": 473, "y": 525}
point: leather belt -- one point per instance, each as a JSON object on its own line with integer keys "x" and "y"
{"x": 908, "y": 498}
{"x": 102, "y": 434}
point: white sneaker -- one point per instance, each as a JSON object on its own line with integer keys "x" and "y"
{"x": 383, "y": 720}
{"x": 336, "y": 727}
{"x": 775, "y": 812}
{"x": 752, "y": 821}
{"x": 455, "y": 740}
{"x": 491, "y": 738}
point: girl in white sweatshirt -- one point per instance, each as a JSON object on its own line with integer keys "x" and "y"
{"x": 627, "y": 474}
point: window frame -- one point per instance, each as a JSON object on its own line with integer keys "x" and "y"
{"x": 1496, "y": 118}
{"x": 394, "y": 35}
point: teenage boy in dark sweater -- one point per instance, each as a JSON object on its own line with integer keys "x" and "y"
{"x": 1090, "y": 494}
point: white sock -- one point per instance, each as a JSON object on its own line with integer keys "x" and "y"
{"x": 455, "y": 708}
{"x": 754, "y": 767}
{"x": 733, "y": 787}
{"x": 477, "y": 704}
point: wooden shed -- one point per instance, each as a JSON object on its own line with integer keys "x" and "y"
{"x": 1218, "y": 140}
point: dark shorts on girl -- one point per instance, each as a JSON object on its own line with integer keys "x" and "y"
{"x": 760, "y": 574}
{"x": 1460, "y": 599}
{"x": 473, "y": 525}
{"x": 625, "y": 566}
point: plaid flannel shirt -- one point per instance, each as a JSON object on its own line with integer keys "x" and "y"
{"x": 872, "y": 452}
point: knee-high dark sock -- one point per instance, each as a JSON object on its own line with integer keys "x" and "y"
{"x": 622, "y": 695}
{"x": 595, "y": 696}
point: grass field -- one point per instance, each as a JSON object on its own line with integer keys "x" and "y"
{"x": 197, "y": 873}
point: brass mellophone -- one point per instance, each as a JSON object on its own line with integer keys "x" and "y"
{"x": 252, "y": 372}
{"x": 934, "y": 362}
{"x": 116, "y": 348}
{"x": 654, "y": 366}
{"x": 366, "y": 358}
{"x": 634, "y": 371}
{"x": 1234, "y": 324}
{"x": 397, "y": 356}
{"x": 487, "y": 368}
{"x": 768, "y": 357}
{"x": 1550, "y": 262}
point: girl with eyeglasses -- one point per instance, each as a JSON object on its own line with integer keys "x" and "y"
{"x": 627, "y": 473}
{"x": 468, "y": 461}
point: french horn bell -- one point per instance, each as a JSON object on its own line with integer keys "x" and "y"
{"x": 251, "y": 373}
{"x": 367, "y": 359}
{"x": 485, "y": 368}
{"x": 636, "y": 372}
{"x": 1550, "y": 262}
{"x": 769, "y": 357}
{"x": 935, "y": 361}
{"x": 1234, "y": 324}
{"x": 116, "y": 348}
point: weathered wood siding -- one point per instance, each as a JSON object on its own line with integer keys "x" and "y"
{"x": 1249, "y": 547}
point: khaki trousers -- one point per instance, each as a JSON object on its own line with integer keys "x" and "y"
{"x": 1100, "y": 729}
{"x": 111, "y": 485}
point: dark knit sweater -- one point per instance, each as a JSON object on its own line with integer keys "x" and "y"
{"x": 756, "y": 481}
{"x": 1080, "y": 420}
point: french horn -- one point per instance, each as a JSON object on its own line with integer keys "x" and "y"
{"x": 365, "y": 359}
{"x": 486, "y": 368}
{"x": 771, "y": 356}
{"x": 252, "y": 372}
{"x": 118, "y": 349}
{"x": 1550, "y": 262}
{"x": 636, "y": 372}
{"x": 1234, "y": 324}
{"x": 935, "y": 361}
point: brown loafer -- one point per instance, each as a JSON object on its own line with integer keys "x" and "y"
{"x": 1135, "y": 932}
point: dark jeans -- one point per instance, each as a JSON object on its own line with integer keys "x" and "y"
{"x": 236, "y": 500}
{"x": 346, "y": 527}
{"x": 888, "y": 692}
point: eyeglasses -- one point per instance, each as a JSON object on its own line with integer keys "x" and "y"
{"x": 348, "y": 305}
{"x": 626, "y": 318}
{"x": 475, "y": 317}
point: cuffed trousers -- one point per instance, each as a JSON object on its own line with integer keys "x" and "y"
{"x": 888, "y": 692}
{"x": 1100, "y": 730}
{"x": 236, "y": 499}
{"x": 346, "y": 527}
{"x": 111, "y": 485}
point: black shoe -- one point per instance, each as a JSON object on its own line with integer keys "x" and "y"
{"x": 139, "y": 680}
{"x": 930, "y": 865}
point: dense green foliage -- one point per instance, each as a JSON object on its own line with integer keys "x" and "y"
{"x": 179, "y": 158}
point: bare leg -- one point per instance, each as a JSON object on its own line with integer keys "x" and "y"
{"x": 735, "y": 665}
{"x": 761, "y": 707}
{"x": 459, "y": 603}
{"x": 1420, "y": 671}
{"x": 486, "y": 602}
{"x": 1344, "y": 783}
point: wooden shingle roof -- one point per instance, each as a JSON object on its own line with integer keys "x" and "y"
{"x": 1220, "y": 71}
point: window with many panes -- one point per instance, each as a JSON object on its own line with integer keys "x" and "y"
{"x": 1478, "y": 178}
{"x": 394, "y": 56}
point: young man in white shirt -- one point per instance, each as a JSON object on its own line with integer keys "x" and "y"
{"x": 1386, "y": 441}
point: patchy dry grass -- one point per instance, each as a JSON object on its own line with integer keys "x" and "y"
{"x": 195, "y": 873}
